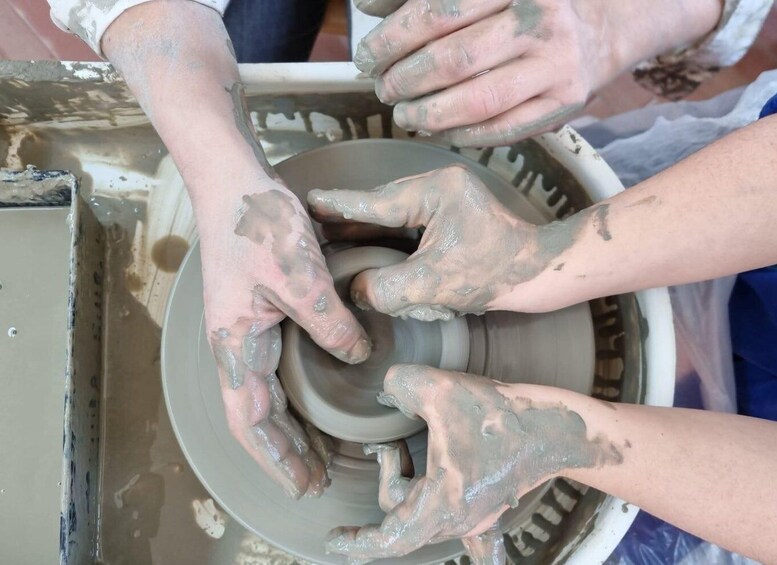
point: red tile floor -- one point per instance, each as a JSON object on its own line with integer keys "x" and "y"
{"x": 26, "y": 32}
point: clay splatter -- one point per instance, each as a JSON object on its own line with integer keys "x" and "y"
{"x": 274, "y": 217}
{"x": 529, "y": 15}
{"x": 600, "y": 221}
{"x": 168, "y": 253}
{"x": 246, "y": 128}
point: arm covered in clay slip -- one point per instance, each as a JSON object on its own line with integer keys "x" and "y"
{"x": 711, "y": 215}
{"x": 261, "y": 261}
{"x": 708, "y": 216}
{"x": 491, "y": 443}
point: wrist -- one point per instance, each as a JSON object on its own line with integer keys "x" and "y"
{"x": 637, "y": 31}
{"x": 551, "y": 250}
{"x": 590, "y": 420}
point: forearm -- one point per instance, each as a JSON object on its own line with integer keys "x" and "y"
{"x": 176, "y": 58}
{"x": 709, "y": 216}
{"x": 706, "y": 473}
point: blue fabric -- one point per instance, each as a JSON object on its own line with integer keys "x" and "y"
{"x": 273, "y": 31}
{"x": 770, "y": 107}
{"x": 753, "y": 316}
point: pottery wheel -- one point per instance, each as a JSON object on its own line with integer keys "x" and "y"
{"x": 341, "y": 399}
{"x": 554, "y": 349}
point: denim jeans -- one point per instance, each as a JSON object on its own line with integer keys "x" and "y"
{"x": 273, "y": 31}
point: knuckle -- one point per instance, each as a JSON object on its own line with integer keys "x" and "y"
{"x": 453, "y": 59}
{"x": 459, "y": 55}
{"x": 484, "y": 101}
{"x": 394, "y": 83}
{"x": 401, "y": 376}
{"x": 337, "y": 334}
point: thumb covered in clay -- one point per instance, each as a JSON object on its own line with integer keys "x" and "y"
{"x": 407, "y": 388}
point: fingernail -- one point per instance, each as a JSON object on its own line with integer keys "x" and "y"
{"x": 380, "y": 91}
{"x": 359, "y": 300}
{"x": 361, "y": 351}
{"x": 373, "y": 448}
{"x": 387, "y": 400}
{"x": 364, "y": 58}
{"x": 316, "y": 197}
{"x": 400, "y": 115}
{"x": 334, "y": 540}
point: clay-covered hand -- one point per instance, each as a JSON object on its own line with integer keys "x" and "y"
{"x": 489, "y": 444}
{"x": 262, "y": 263}
{"x": 472, "y": 255}
{"x": 485, "y": 72}
{"x": 260, "y": 258}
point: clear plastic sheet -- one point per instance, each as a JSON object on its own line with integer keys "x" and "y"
{"x": 638, "y": 145}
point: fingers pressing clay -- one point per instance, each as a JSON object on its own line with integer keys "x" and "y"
{"x": 378, "y": 8}
{"x": 324, "y": 316}
{"x": 488, "y": 445}
{"x": 273, "y": 230}
{"x": 487, "y": 548}
{"x": 406, "y": 387}
{"x": 404, "y": 529}
{"x": 257, "y": 411}
{"x": 394, "y": 483}
{"x": 320, "y": 443}
{"x": 405, "y": 290}
{"x": 275, "y": 219}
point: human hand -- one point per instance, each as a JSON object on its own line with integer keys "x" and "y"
{"x": 489, "y": 444}
{"x": 473, "y": 254}
{"x": 491, "y": 72}
{"x": 261, "y": 263}
{"x": 486, "y": 72}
